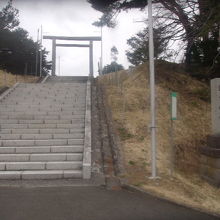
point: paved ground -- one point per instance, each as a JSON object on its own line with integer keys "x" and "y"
{"x": 87, "y": 203}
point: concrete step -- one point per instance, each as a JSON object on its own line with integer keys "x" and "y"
{"x": 41, "y": 121}
{"x": 45, "y": 101}
{"x": 53, "y": 88}
{"x": 46, "y": 104}
{"x": 51, "y": 93}
{"x": 43, "y": 131}
{"x": 42, "y": 108}
{"x": 58, "y": 87}
{"x": 52, "y": 142}
{"x": 32, "y": 110}
{"x": 42, "y": 126}
{"x": 41, "y": 174}
{"x": 55, "y": 165}
{"x": 42, "y": 149}
{"x": 46, "y": 117}
{"x": 51, "y": 112}
{"x": 40, "y": 136}
{"x": 41, "y": 157}
{"x": 48, "y": 95}
{"x": 52, "y": 85}
{"x": 47, "y": 98}
{"x": 74, "y": 79}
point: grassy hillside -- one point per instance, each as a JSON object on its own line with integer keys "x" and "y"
{"x": 128, "y": 96}
{"x": 8, "y": 79}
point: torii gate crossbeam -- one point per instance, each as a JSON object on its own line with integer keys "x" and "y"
{"x": 90, "y": 46}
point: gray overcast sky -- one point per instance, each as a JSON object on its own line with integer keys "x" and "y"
{"x": 75, "y": 18}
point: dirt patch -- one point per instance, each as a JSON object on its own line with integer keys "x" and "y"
{"x": 128, "y": 97}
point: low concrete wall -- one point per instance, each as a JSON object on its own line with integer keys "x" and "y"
{"x": 45, "y": 79}
{"x": 88, "y": 139}
{"x": 3, "y": 89}
{"x": 210, "y": 160}
{"x": 7, "y": 92}
{"x": 111, "y": 142}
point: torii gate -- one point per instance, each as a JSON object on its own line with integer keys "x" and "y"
{"x": 90, "y": 46}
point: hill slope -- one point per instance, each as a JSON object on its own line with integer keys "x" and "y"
{"x": 8, "y": 79}
{"x": 128, "y": 96}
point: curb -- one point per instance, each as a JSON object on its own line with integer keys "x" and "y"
{"x": 136, "y": 189}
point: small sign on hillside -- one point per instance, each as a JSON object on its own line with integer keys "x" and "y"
{"x": 173, "y": 106}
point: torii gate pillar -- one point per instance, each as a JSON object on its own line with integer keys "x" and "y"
{"x": 91, "y": 59}
{"x": 53, "y": 57}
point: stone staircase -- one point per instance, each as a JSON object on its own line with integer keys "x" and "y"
{"x": 42, "y": 130}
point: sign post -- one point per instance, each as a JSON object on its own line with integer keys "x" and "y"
{"x": 173, "y": 118}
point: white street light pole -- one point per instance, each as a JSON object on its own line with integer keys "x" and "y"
{"x": 37, "y": 48}
{"x": 152, "y": 93}
{"x": 101, "y": 60}
{"x": 41, "y": 52}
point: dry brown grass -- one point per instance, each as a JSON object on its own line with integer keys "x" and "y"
{"x": 128, "y": 97}
{"x": 8, "y": 79}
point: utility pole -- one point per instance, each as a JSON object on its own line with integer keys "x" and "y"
{"x": 101, "y": 60}
{"x": 59, "y": 65}
{"x": 37, "y": 49}
{"x": 152, "y": 93}
{"x": 41, "y": 52}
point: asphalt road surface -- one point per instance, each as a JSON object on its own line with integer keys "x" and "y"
{"x": 88, "y": 203}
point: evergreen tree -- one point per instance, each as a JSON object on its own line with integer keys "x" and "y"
{"x": 113, "y": 67}
{"x": 9, "y": 17}
{"x": 114, "y": 53}
{"x": 17, "y": 49}
{"x": 138, "y": 52}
